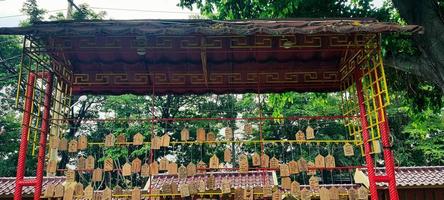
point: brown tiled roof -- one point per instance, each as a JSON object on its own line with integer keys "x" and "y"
{"x": 415, "y": 176}
{"x": 7, "y": 185}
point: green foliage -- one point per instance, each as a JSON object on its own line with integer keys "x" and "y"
{"x": 34, "y": 13}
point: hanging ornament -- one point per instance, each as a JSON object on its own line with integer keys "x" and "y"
{"x": 200, "y": 135}
{"x": 163, "y": 164}
{"x": 228, "y": 133}
{"x": 121, "y": 139}
{"x": 72, "y": 146}
{"x": 302, "y": 165}
{"x": 274, "y": 163}
{"x": 286, "y": 183}
{"x": 248, "y": 129}
{"x": 63, "y": 145}
{"x": 226, "y": 186}
{"x": 319, "y": 161}
{"x": 136, "y": 164}
{"x": 256, "y": 159}
{"x": 156, "y": 142}
{"x": 108, "y": 165}
{"x": 90, "y": 163}
{"x": 310, "y": 133}
{"x": 334, "y": 193}
{"x": 227, "y": 155}
{"x": 300, "y": 136}
{"x": 243, "y": 163}
{"x": 58, "y": 191}
{"x": 165, "y": 140}
{"x": 348, "y": 149}
{"x": 324, "y": 194}
{"x": 126, "y": 169}
{"x": 330, "y": 161}
{"x": 110, "y": 140}
{"x": 295, "y": 189}
{"x": 184, "y": 190}
{"x": 138, "y": 139}
{"x": 182, "y": 172}
{"x": 184, "y": 134}
{"x": 314, "y": 183}
{"x": 201, "y": 167}
{"x": 54, "y": 142}
{"x": 154, "y": 168}
{"x": 202, "y": 186}
{"x": 172, "y": 168}
{"x": 293, "y": 167}
{"x": 88, "y": 192}
{"x": 97, "y": 175}
{"x": 82, "y": 144}
{"x": 135, "y": 194}
{"x": 191, "y": 169}
{"x": 362, "y": 193}
{"x": 311, "y": 168}
{"x": 265, "y": 161}
{"x": 81, "y": 163}
{"x": 214, "y": 162}
{"x": 284, "y": 170}
{"x": 211, "y": 182}
{"x": 70, "y": 175}
{"x": 145, "y": 170}
{"x": 78, "y": 189}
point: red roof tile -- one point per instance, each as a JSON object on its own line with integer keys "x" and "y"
{"x": 7, "y": 185}
{"x": 415, "y": 176}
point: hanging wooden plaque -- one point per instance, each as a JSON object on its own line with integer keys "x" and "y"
{"x": 352, "y": 194}
{"x": 63, "y": 145}
{"x": 330, "y": 161}
{"x": 295, "y": 189}
{"x": 72, "y": 146}
{"x": 256, "y": 158}
{"x": 138, "y": 139}
{"x": 226, "y": 186}
{"x": 174, "y": 188}
{"x": 81, "y": 162}
{"x": 184, "y": 190}
{"x": 52, "y": 167}
{"x": 54, "y": 142}
{"x": 58, "y": 191}
{"x": 90, "y": 163}
{"x": 97, "y": 175}
{"x": 108, "y": 165}
{"x": 362, "y": 193}
{"x": 107, "y": 194}
{"x": 136, "y": 164}
{"x": 191, "y": 169}
{"x": 300, "y": 135}
{"x": 163, "y": 164}
{"x": 70, "y": 175}
{"x": 211, "y": 182}
{"x": 305, "y": 194}
{"x": 165, "y": 140}
{"x": 118, "y": 190}
{"x": 265, "y": 161}
{"x": 68, "y": 194}
{"x": 49, "y": 191}
{"x": 324, "y": 194}
{"x": 274, "y": 163}
{"x": 342, "y": 190}
{"x": 302, "y": 165}
{"x": 172, "y": 168}
{"x": 166, "y": 188}
{"x": 126, "y": 169}
{"x": 348, "y": 149}
{"x": 200, "y": 135}
{"x": 248, "y": 129}
{"x": 286, "y": 183}
{"x": 334, "y": 193}
{"x": 243, "y": 163}
{"x": 227, "y": 155}
{"x": 228, "y": 133}
{"x": 276, "y": 195}
{"x": 82, "y": 144}
{"x": 201, "y": 167}
{"x": 156, "y": 142}
{"x": 88, "y": 193}
{"x": 293, "y": 167}
{"x": 319, "y": 161}
{"x": 309, "y": 133}
{"x": 248, "y": 194}
{"x": 202, "y": 186}
{"x": 311, "y": 168}
{"x": 239, "y": 193}
{"x": 145, "y": 170}
{"x": 214, "y": 162}
{"x": 211, "y": 137}
{"x": 376, "y": 146}
{"x": 121, "y": 139}
{"x": 110, "y": 140}
{"x": 184, "y": 134}
{"x": 284, "y": 170}
{"x": 192, "y": 187}
{"x": 155, "y": 192}
{"x": 182, "y": 172}
{"x": 135, "y": 194}
{"x": 154, "y": 168}
{"x": 267, "y": 190}
{"x": 78, "y": 189}
{"x": 314, "y": 183}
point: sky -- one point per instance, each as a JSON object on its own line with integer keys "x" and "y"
{"x": 10, "y": 14}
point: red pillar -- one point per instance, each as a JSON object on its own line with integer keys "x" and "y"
{"x": 365, "y": 136}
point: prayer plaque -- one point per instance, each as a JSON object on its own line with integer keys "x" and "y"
{"x": 286, "y": 183}
{"x": 314, "y": 183}
{"x": 184, "y": 190}
{"x": 166, "y": 188}
{"x": 211, "y": 137}
{"x": 118, "y": 190}
{"x": 70, "y": 175}
{"x": 228, "y": 133}
{"x": 310, "y": 133}
{"x": 90, "y": 163}
{"x": 78, "y": 189}
{"x": 248, "y": 194}
{"x": 305, "y": 194}
{"x": 226, "y": 186}
{"x": 63, "y": 145}
{"x": 82, "y": 144}
{"x": 362, "y": 193}
{"x": 256, "y": 159}
{"x": 110, "y": 140}
{"x": 54, "y": 142}
{"x": 293, "y": 167}
{"x": 126, "y": 169}
{"x": 330, "y": 161}
{"x": 276, "y": 195}
{"x": 145, "y": 170}
{"x": 182, "y": 171}
{"x": 274, "y": 163}
{"x": 52, "y": 167}
{"x": 165, "y": 140}
{"x": 302, "y": 165}
{"x": 352, "y": 194}
{"x": 211, "y": 182}
{"x": 108, "y": 165}
{"x": 319, "y": 161}
{"x": 311, "y": 168}
{"x": 192, "y": 187}
{"x": 265, "y": 161}
{"x": 156, "y": 142}
{"x": 214, "y": 162}
{"x": 49, "y": 191}
{"x": 284, "y": 170}
{"x": 239, "y": 193}
{"x": 202, "y": 186}
{"x": 200, "y": 135}
{"x": 89, "y": 192}
{"x": 334, "y": 193}
{"x": 376, "y": 146}
{"x": 184, "y": 134}
{"x": 191, "y": 169}
{"x": 107, "y": 194}
{"x": 348, "y": 149}
{"x": 324, "y": 194}
{"x": 72, "y": 146}
{"x": 174, "y": 188}
{"x": 243, "y": 163}
{"x": 227, "y": 155}
{"x": 201, "y": 167}
{"x": 267, "y": 190}
{"x": 163, "y": 165}
{"x": 295, "y": 189}
{"x": 135, "y": 194}
{"x": 136, "y": 164}
{"x": 97, "y": 175}
{"x": 300, "y": 135}
{"x": 154, "y": 168}
{"x": 121, "y": 139}
{"x": 68, "y": 194}
{"x": 248, "y": 129}
{"x": 58, "y": 191}
{"x": 172, "y": 168}
{"x": 81, "y": 163}
{"x": 138, "y": 139}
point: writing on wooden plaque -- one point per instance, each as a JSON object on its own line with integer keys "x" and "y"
{"x": 211, "y": 182}
{"x": 107, "y": 194}
{"x": 110, "y": 140}
{"x": 286, "y": 183}
{"x": 362, "y": 193}
{"x": 78, "y": 189}
{"x": 138, "y": 139}
{"x": 324, "y": 194}
{"x": 54, "y": 142}
{"x": 52, "y": 167}
{"x": 211, "y": 137}
{"x": 200, "y": 135}
{"x": 136, "y": 164}
{"x": 239, "y": 193}
{"x": 284, "y": 170}
{"x": 293, "y": 167}
{"x": 182, "y": 172}
{"x": 334, "y": 193}
{"x": 319, "y": 161}
{"x": 81, "y": 163}
{"x": 265, "y": 161}
{"x": 172, "y": 168}
{"x": 184, "y": 134}
{"x": 166, "y": 188}
{"x": 227, "y": 155}
{"x": 202, "y": 186}
{"x": 314, "y": 183}
{"x": 70, "y": 175}
{"x": 330, "y": 161}
{"x": 256, "y": 158}
{"x": 276, "y": 195}
{"x": 214, "y": 162}
{"x": 295, "y": 189}
{"x": 191, "y": 169}
{"x": 311, "y": 168}
{"x": 135, "y": 194}
{"x": 300, "y": 135}
{"x": 352, "y": 194}
{"x": 309, "y": 133}
{"x": 163, "y": 164}
{"x": 90, "y": 163}
{"x": 248, "y": 128}
{"x": 243, "y": 163}
{"x": 72, "y": 146}
{"x": 226, "y": 186}
{"x": 145, "y": 170}
{"x": 121, "y": 139}
{"x": 248, "y": 193}
{"x": 59, "y": 190}
{"x": 267, "y": 190}
{"x": 88, "y": 193}
{"x": 156, "y": 142}
{"x": 154, "y": 168}
{"x": 184, "y": 190}
{"x": 348, "y": 149}
{"x": 108, "y": 165}
{"x": 192, "y": 187}
{"x": 274, "y": 163}
{"x": 68, "y": 194}
{"x": 174, "y": 188}
{"x": 201, "y": 166}
{"x": 49, "y": 191}
{"x": 126, "y": 169}
{"x": 302, "y": 165}
{"x": 97, "y": 175}
{"x": 82, "y": 144}
{"x": 63, "y": 145}
{"x": 228, "y": 133}
{"x": 165, "y": 140}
